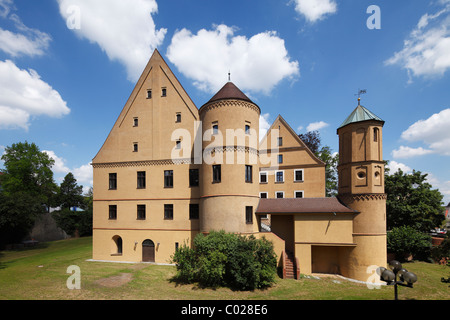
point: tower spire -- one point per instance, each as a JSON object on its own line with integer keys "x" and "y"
{"x": 360, "y": 92}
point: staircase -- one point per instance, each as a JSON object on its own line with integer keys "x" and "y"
{"x": 290, "y": 266}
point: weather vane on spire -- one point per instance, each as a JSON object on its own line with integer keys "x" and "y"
{"x": 229, "y": 76}
{"x": 360, "y": 92}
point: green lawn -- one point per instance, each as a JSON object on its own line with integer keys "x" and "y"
{"x": 40, "y": 274}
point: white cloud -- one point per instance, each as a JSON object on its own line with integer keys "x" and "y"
{"x": 316, "y": 126}
{"x": 264, "y": 125}
{"x": 59, "y": 166}
{"x": 256, "y": 64}
{"x": 24, "y": 94}
{"x": 433, "y": 131}
{"x": 30, "y": 42}
{"x": 426, "y": 51}
{"x": 408, "y": 152}
{"x": 394, "y": 166}
{"x": 83, "y": 174}
{"x": 125, "y": 30}
{"x": 314, "y": 10}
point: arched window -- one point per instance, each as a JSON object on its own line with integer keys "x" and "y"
{"x": 118, "y": 245}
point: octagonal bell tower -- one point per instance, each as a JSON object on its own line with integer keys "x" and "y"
{"x": 361, "y": 187}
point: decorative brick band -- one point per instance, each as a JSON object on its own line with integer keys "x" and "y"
{"x": 226, "y": 103}
{"x": 143, "y": 163}
{"x": 348, "y": 198}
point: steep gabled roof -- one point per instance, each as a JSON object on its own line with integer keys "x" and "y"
{"x": 360, "y": 114}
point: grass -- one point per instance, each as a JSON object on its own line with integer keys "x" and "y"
{"x": 40, "y": 274}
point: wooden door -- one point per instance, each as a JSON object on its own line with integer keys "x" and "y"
{"x": 148, "y": 251}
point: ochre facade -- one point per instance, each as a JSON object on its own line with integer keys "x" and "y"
{"x": 169, "y": 170}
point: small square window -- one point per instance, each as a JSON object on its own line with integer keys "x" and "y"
{"x": 178, "y": 117}
{"x": 280, "y": 158}
{"x": 298, "y": 175}
{"x": 149, "y": 94}
{"x": 135, "y": 147}
{"x": 164, "y": 92}
{"x": 168, "y": 212}
{"x": 135, "y": 122}
{"x": 113, "y": 212}
{"x": 141, "y": 211}
{"x": 168, "y": 179}
{"x": 279, "y": 176}
{"x": 280, "y": 141}
{"x": 263, "y": 195}
{"x": 298, "y": 194}
{"x": 279, "y": 194}
{"x": 263, "y": 177}
{"x": 194, "y": 211}
{"x": 113, "y": 181}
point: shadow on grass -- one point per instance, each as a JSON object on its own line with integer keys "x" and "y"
{"x": 20, "y": 248}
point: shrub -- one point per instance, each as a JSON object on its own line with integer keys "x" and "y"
{"x": 406, "y": 240}
{"x": 225, "y": 259}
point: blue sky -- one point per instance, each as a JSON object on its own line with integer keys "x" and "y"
{"x": 67, "y": 68}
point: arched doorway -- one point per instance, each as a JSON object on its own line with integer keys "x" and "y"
{"x": 148, "y": 251}
{"x": 117, "y": 245}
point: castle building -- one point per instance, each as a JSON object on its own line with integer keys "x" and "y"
{"x": 169, "y": 170}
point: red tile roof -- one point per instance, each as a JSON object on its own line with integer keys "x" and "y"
{"x": 302, "y": 205}
{"x": 229, "y": 91}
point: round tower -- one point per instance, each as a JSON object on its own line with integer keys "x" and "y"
{"x": 361, "y": 187}
{"x": 229, "y": 175}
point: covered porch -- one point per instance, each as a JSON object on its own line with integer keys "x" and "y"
{"x": 317, "y": 232}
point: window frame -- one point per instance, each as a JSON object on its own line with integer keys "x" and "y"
{"x": 276, "y": 176}
{"x": 168, "y": 211}
{"x": 194, "y": 179}
{"x": 295, "y": 175}
{"x": 194, "y": 214}
{"x": 217, "y": 174}
{"x": 276, "y": 194}
{"x": 248, "y": 173}
{"x": 295, "y": 194}
{"x": 249, "y": 214}
{"x": 112, "y": 212}
{"x": 141, "y": 212}
{"x": 261, "y": 173}
{"x": 168, "y": 179}
{"x": 141, "y": 179}
{"x": 112, "y": 181}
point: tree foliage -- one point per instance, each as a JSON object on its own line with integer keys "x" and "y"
{"x": 224, "y": 259}
{"x": 406, "y": 240}
{"x": 411, "y": 201}
{"x": 27, "y": 189}
{"x": 70, "y": 193}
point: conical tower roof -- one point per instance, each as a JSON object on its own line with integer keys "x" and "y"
{"x": 229, "y": 91}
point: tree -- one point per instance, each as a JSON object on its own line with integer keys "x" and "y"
{"x": 27, "y": 188}
{"x": 411, "y": 201}
{"x": 69, "y": 193}
{"x": 312, "y": 140}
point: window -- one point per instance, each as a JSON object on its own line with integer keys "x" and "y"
{"x": 215, "y": 127}
{"x": 119, "y": 245}
{"x": 249, "y": 215}
{"x": 217, "y": 174}
{"x": 280, "y": 158}
{"x": 298, "y": 194}
{"x": 194, "y": 211}
{"x": 376, "y": 132}
{"x": 113, "y": 181}
{"x": 263, "y": 177}
{"x": 193, "y": 177}
{"x": 280, "y": 141}
{"x": 141, "y": 212}
{"x": 135, "y": 122}
{"x": 113, "y": 212}
{"x": 249, "y": 174}
{"x": 298, "y": 175}
{"x": 135, "y": 147}
{"x": 149, "y": 94}
{"x": 168, "y": 179}
{"x": 247, "y": 129}
{"x": 178, "y": 117}
{"x": 163, "y": 92}
{"x": 178, "y": 145}
{"x": 279, "y": 176}
{"x": 141, "y": 180}
{"x": 168, "y": 212}
{"x": 279, "y": 194}
{"x": 263, "y": 195}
